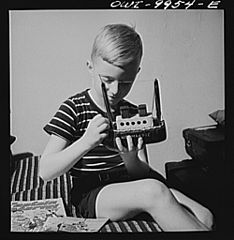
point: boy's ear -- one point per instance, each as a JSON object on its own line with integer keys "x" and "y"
{"x": 138, "y": 70}
{"x": 89, "y": 65}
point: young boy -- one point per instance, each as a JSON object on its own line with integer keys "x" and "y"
{"x": 113, "y": 183}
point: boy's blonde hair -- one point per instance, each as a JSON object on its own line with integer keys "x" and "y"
{"x": 117, "y": 44}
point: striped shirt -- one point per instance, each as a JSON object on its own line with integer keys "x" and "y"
{"x": 70, "y": 123}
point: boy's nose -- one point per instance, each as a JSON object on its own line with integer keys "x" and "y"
{"x": 113, "y": 88}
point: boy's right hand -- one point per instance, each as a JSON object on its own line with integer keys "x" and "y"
{"x": 95, "y": 132}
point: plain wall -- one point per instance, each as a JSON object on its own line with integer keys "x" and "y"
{"x": 184, "y": 49}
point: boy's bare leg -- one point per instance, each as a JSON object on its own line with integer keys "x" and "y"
{"x": 202, "y": 213}
{"x": 123, "y": 200}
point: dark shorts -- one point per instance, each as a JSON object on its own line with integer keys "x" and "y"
{"x": 87, "y": 186}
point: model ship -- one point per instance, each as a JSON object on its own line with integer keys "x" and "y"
{"x": 142, "y": 124}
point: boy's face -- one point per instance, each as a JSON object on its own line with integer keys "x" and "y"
{"x": 118, "y": 80}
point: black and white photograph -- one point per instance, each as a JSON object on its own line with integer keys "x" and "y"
{"x": 121, "y": 114}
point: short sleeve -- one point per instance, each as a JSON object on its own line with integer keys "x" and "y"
{"x": 63, "y": 122}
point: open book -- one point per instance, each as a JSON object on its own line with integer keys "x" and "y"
{"x": 49, "y": 215}
{"x": 30, "y": 216}
{"x": 72, "y": 224}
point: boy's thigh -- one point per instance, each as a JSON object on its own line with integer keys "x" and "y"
{"x": 126, "y": 199}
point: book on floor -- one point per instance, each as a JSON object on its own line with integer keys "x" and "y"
{"x": 30, "y": 216}
{"x": 73, "y": 224}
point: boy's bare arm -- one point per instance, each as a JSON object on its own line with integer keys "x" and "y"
{"x": 58, "y": 157}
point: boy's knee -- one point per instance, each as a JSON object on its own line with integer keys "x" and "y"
{"x": 154, "y": 192}
{"x": 208, "y": 218}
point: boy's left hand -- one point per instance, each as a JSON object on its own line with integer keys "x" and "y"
{"x": 134, "y": 157}
{"x": 131, "y": 150}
